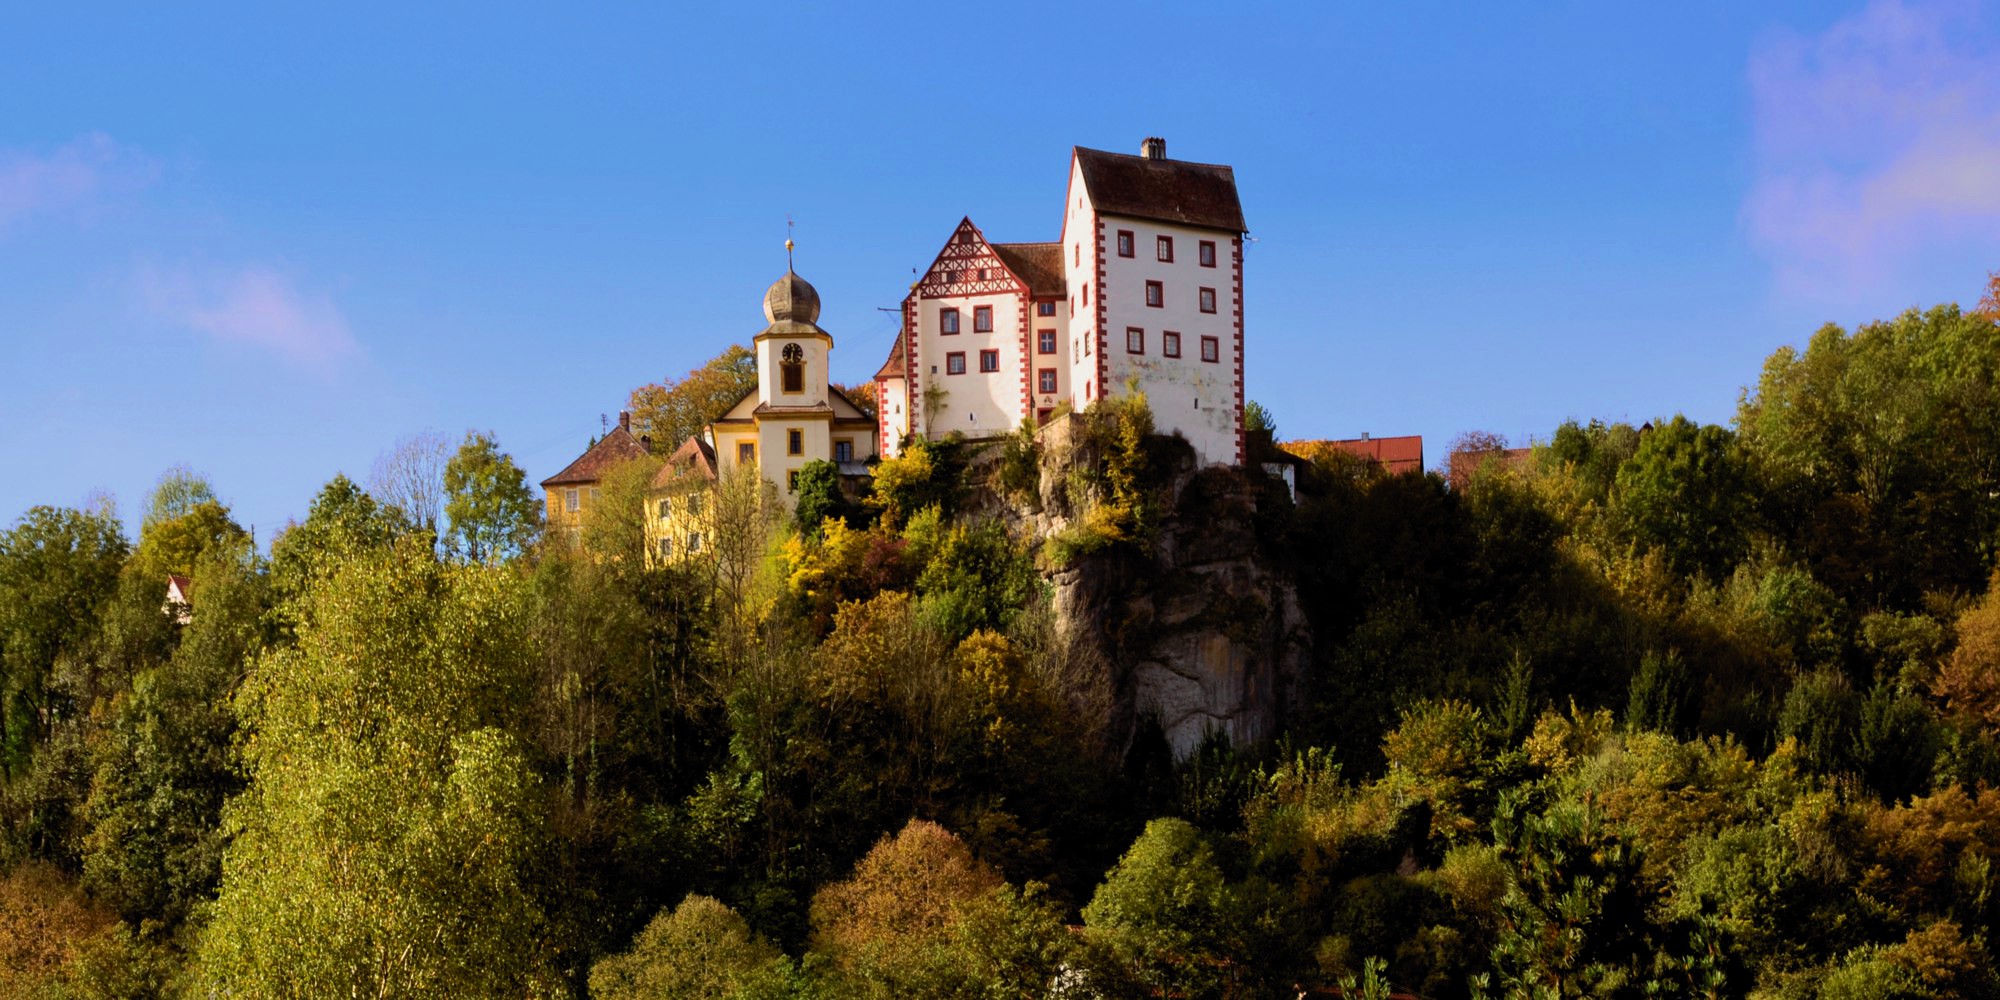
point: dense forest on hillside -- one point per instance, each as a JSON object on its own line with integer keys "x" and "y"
{"x": 1682, "y": 710}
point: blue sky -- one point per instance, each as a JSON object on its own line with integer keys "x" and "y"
{"x": 269, "y": 246}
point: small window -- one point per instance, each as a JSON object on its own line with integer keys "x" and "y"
{"x": 1076, "y": 255}
{"x": 1086, "y": 295}
{"x": 1135, "y": 340}
{"x": 1170, "y": 344}
{"x": 1207, "y": 253}
{"x": 572, "y": 500}
{"x": 694, "y": 505}
{"x": 1211, "y": 349}
{"x": 1156, "y": 294}
{"x": 1045, "y": 342}
{"x": 1046, "y": 379}
{"x": 666, "y": 548}
{"x": 1045, "y": 309}
{"x": 694, "y": 541}
{"x": 965, "y": 239}
{"x": 792, "y": 480}
{"x": 1208, "y": 300}
{"x": 1087, "y": 390}
{"x": 746, "y": 452}
{"x": 843, "y": 451}
{"x": 989, "y": 361}
{"x": 982, "y": 319}
{"x": 795, "y": 442}
{"x": 1042, "y": 415}
{"x": 594, "y": 494}
{"x": 1164, "y": 249}
{"x": 948, "y": 321}
{"x": 954, "y": 363}
{"x": 1124, "y": 243}
{"x": 666, "y": 509}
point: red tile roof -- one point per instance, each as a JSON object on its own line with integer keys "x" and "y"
{"x": 1192, "y": 194}
{"x": 895, "y": 367}
{"x": 694, "y": 457}
{"x": 1038, "y": 264}
{"x": 610, "y": 450}
{"x": 1396, "y": 454}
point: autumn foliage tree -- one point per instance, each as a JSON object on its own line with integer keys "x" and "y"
{"x": 672, "y": 410}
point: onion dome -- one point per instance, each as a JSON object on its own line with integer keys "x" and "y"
{"x": 791, "y": 299}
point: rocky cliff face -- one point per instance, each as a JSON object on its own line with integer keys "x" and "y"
{"x": 1202, "y": 624}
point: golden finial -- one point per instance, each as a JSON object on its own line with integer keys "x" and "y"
{"x": 788, "y": 242}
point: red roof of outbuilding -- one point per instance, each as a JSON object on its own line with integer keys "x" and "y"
{"x": 1038, "y": 264}
{"x": 1395, "y": 454}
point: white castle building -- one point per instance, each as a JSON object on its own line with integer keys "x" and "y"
{"x": 1145, "y": 286}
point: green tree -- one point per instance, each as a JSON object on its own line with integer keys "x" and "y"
{"x": 162, "y": 766}
{"x": 343, "y": 521}
{"x": 385, "y": 842}
{"x": 818, "y": 496}
{"x": 673, "y": 410}
{"x": 1882, "y": 448}
{"x": 701, "y": 950}
{"x": 1665, "y": 695}
{"x": 57, "y": 567}
{"x": 492, "y": 513}
{"x": 1823, "y": 715}
{"x": 1688, "y": 492}
{"x": 1165, "y": 911}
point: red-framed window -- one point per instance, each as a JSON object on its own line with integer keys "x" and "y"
{"x": 948, "y": 321}
{"x": 989, "y": 361}
{"x": 1135, "y": 340}
{"x": 1163, "y": 248}
{"x": 1042, "y": 415}
{"x": 1045, "y": 380}
{"x": 954, "y": 363}
{"x": 982, "y": 319}
{"x": 1045, "y": 342}
{"x": 1086, "y": 295}
{"x": 1208, "y": 300}
{"x": 1045, "y": 309}
{"x": 1206, "y": 253}
{"x": 1170, "y": 344}
{"x": 1211, "y": 350}
{"x": 1124, "y": 243}
{"x": 1156, "y": 294}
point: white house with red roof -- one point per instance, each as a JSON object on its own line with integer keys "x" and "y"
{"x": 1144, "y": 287}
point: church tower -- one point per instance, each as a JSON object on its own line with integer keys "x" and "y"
{"x": 792, "y": 351}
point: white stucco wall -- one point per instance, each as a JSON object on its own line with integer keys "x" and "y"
{"x": 976, "y": 404}
{"x": 770, "y": 350}
{"x": 1188, "y": 395}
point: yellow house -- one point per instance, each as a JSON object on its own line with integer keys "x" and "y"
{"x": 794, "y": 416}
{"x": 572, "y": 491}
{"x": 680, "y": 504}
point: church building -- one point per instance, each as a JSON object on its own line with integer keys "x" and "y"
{"x": 1145, "y": 286}
{"x": 795, "y": 415}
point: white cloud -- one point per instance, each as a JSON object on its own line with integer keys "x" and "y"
{"x": 1875, "y": 141}
{"x": 255, "y": 305}
{"x": 73, "y": 178}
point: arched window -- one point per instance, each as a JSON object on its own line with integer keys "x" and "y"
{"x": 793, "y": 368}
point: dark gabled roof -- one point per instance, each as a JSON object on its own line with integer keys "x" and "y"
{"x": 1038, "y": 264}
{"x": 896, "y": 366}
{"x": 1191, "y": 194}
{"x": 694, "y": 457}
{"x": 590, "y": 467}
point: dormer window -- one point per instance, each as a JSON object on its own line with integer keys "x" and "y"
{"x": 793, "y": 367}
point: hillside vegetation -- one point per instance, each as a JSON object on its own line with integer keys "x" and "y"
{"x": 1683, "y": 710}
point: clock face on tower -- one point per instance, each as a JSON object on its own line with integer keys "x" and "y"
{"x": 793, "y": 354}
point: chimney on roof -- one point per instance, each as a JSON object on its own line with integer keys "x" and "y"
{"x": 1154, "y": 148}
{"x": 1364, "y": 435}
{"x": 625, "y": 420}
